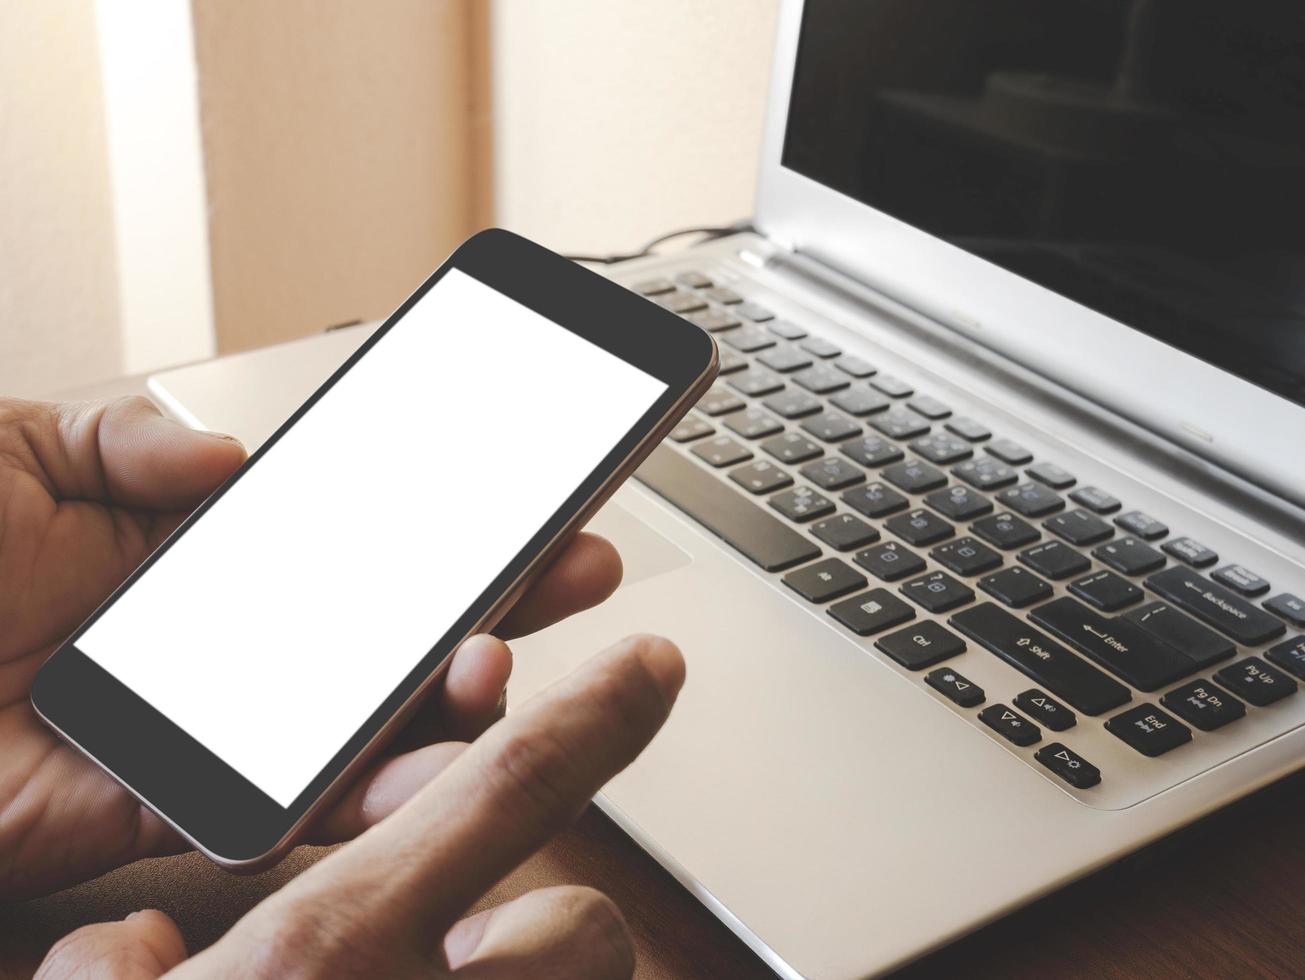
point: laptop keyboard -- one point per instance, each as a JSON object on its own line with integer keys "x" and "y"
{"x": 879, "y": 503}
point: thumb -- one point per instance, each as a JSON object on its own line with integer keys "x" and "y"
{"x": 143, "y": 946}
{"x": 127, "y": 452}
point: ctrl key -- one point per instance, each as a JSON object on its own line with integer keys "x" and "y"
{"x": 1068, "y": 765}
{"x": 956, "y": 688}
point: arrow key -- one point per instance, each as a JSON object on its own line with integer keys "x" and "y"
{"x": 960, "y": 690}
{"x": 1008, "y": 724}
{"x": 1068, "y": 765}
{"x": 1046, "y": 709}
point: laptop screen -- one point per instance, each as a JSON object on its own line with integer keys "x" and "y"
{"x": 1145, "y": 158}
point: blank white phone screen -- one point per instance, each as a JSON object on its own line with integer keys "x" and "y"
{"x": 275, "y": 626}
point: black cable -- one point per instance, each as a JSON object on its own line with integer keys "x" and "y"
{"x": 707, "y": 234}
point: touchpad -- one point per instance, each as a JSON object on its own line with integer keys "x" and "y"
{"x": 644, "y": 552}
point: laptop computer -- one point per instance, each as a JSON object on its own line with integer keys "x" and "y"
{"x": 986, "y": 552}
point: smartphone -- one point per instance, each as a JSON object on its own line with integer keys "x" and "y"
{"x": 249, "y": 669}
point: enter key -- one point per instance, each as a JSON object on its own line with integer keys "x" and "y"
{"x": 1116, "y": 644}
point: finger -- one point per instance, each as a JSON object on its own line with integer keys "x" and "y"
{"x": 524, "y": 780}
{"x": 126, "y": 452}
{"x": 143, "y": 946}
{"x": 550, "y": 934}
{"x": 585, "y": 574}
{"x": 471, "y": 698}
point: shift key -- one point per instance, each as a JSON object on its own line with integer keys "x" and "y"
{"x": 1126, "y": 650}
{"x": 1221, "y": 608}
{"x": 1051, "y": 665}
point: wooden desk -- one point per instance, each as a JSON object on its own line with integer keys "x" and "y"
{"x": 1225, "y": 898}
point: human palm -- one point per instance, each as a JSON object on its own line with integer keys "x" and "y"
{"x": 86, "y": 493}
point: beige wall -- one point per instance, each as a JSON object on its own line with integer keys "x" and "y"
{"x": 336, "y": 141}
{"x": 616, "y": 120}
{"x": 58, "y": 295}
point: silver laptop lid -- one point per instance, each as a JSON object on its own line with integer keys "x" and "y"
{"x": 1111, "y": 192}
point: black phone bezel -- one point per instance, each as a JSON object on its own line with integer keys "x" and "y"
{"x": 187, "y": 784}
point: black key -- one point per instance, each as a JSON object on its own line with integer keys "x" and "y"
{"x": 723, "y": 294}
{"x": 900, "y": 423}
{"x": 1055, "y": 559}
{"x": 1029, "y": 499}
{"x": 872, "y": 612}
{"x": 1121, "y": 647}
{"x": 1289, "y": 655}
{"x": 1106, "y": 591}
{"x": 1193, "y": 552}
{"x": 785, "y": 358}
{"x": 654, "y": 287}
{"x": 1080, "y": 527}
{"x": 966, "y": 556}
{"x": 1144, "y": 526}
{"x": 682, "y": 302}
{"x": 929, "y": 407}
{"x": 824, "y": 580}
{"x": 1016, "y": 587}
{"x": 1052, "y": 475}
{"x": 1149, "y": 730}
{"x": 761, "y": 477}
{"x": 721, "y": 451}
{"x": 755, "y": 312}
{"x": 859, "y": 401}
{"x": 1289, "y": 607}
{"x": 1203, "y": 705}
{"x": 821, "y": 347}
{"x": 1095, "y": 499}
{"x": 955, "y": 687}
{"x": 1256, "y": 681}
{"x": 871, "y": 451}
{"x": 875, "y": 500}
{"x": 892, "y": 387}
{"x": 1213, "y": 604}
{"x": 758, "y": 535}
{"x": 832, "y": 473}
{"x": 937, "y": 592}
{"x": 922, "y": 645}
{"x": 959, "y": 503}
{"x": 731, "y": 362}
{"x": 793, "y": 404}
{"x": 785, "y": 329}
{"x": 986, "y": 473}
{"x": 1241, "y": 579}
{"x": 753, "y": 424}
{"x": 802, "y": 504}
{"x": 831, "y": 426}
{"x": 791, "y": 447}
{"x": 1041, "y": 658}
{"x": 1044, "y": 708}
{"x": 1130, "y": 556}
{"x": 1005, "y": 530}
{"x": 748, "y": 339}
{"x": 889, "y": 561}
{"x": 857, "y": 367}
{"x": 713, "y": 320}
{"x": 969, "y": 429}
{"x": 821, "y": 379}
{"x": 914, "y": 476}
{"x": 919, "y": 527}
{"x": 718, "y": 401}
{"x": 844, "y": 532}
{"x": 689, "y": 429}
{"x": 1010, "y": 725}
{"x": 1009, "y": 451}
{"x": 694, "y": 280}
{"x": 1068, "y": 765}
{"x": 942, "y": 448}
{"x": 1200, "y": 645}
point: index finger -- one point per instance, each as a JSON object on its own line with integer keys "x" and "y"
{"x": 523, "y": 781}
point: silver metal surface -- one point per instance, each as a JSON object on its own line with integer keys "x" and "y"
{"x": 1189, "y": 402}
